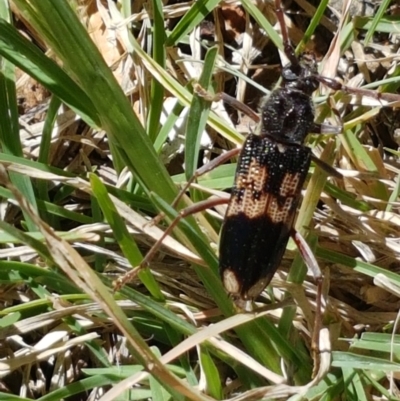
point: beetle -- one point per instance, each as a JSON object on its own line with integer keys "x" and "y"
{"x": 271, "y": 171}
{"x": 270, "y": 175}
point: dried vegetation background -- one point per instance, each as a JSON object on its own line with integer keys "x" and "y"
{"x": 81, "y": 180}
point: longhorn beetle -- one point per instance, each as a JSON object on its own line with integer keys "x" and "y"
{"x": 271, "y": 171}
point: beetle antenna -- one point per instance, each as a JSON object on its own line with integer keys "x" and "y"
{"x": 287, "y": 46}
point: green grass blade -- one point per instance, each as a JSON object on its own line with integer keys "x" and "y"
{"x": 197, "y": 13}
{"x": 159, "y": 56}
{"x": 263, "y": 22}
{"x": 375, "y": 21}
{"x": 211, "y": 374}
{"x": 9, "y": 133}
{"x": 124, "y": 239}
{"x": 315, "y": 20}
{"x": 42, "y": 186}
{"x": 9, "y": 124}
{"x": 198, "y": 116}
{"x": 17, "y": 49}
